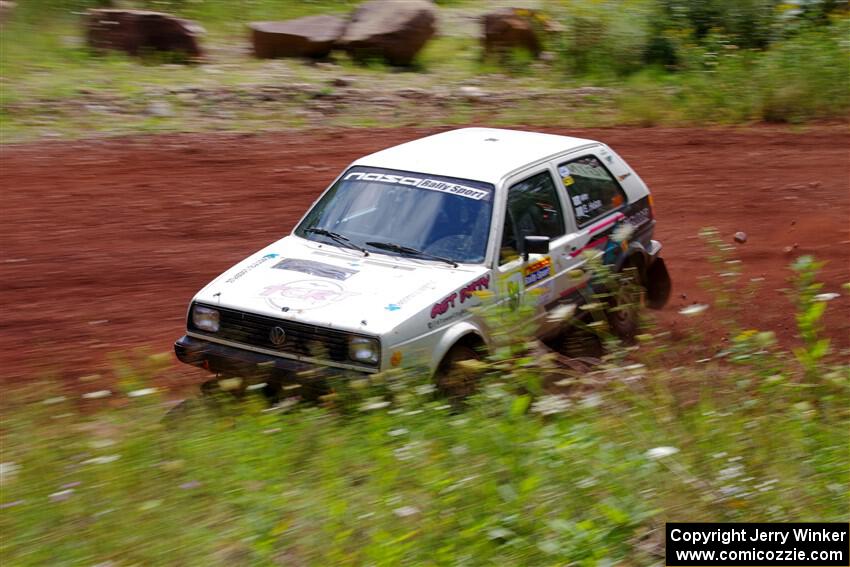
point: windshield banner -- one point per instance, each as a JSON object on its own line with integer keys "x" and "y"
{"x": 422, "y": 183}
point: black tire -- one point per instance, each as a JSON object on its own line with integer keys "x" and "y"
{"x": 452, "y": 380}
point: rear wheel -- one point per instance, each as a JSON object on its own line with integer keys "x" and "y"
{"x": 452, "y": 378}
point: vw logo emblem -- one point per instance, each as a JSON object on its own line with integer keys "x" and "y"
{"x": 277, "y": 336}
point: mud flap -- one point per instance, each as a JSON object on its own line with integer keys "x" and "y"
{"x": 658, "y": 284}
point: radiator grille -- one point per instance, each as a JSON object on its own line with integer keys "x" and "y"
{"x": 302, "y": 339}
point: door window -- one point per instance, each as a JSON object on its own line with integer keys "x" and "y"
{"x": 533, "y": 210}
{"x": 592, "y": 190}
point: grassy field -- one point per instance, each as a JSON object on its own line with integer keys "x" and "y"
{"x": 383, "y": 472}
{"x": 53, "y": 86}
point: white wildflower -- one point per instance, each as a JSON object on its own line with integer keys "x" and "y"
{"x": 141, "y": 392}
{"x": 104, "y": 460}
{"x": 826, "y": 296}
{"x": 61, "y": 495}
{"x": 459, "y": 450}
{"x": 693, "y": 310}
{"x": 397, "y": 432}
{"x": 550, "y": 405}
{"x": 97, "y": 394}
{"x": 591, "y": 401}
{"x": 257, "y": 386}
{"x": 660, "y": 452}
{"x": 8, "y": 471}
{"x": 406, "y": 511}
{"x": 425, "y": 389}
{"x": 230, "y": 384}
{"x": 730, "y": 472}
{"x": 561, "y": 313}
{"x": 374, "y": 404}
{"x": 55, "y": 400}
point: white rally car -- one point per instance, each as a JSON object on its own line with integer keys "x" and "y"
{"x": 382, "y": 271}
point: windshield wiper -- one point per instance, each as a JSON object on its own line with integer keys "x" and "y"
{"x": 337, "y": 237}
{"x": 393, "y": 247}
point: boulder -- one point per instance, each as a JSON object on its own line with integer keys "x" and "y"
{"x": 6, "y": 9}
{"x": 395, "y": 30}
{"x": 515, "y": 28}
{"x": 312, "y": 36}
{"x": 138, "y": 31}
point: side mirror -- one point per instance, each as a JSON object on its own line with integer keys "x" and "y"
{"x": 534, "y": 245}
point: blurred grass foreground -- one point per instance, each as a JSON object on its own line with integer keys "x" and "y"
{"x": 384, "y": 472}
{"x": 641, "y": 62}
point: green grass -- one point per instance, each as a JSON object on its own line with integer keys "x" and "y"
{"x": 416, "y": 483}
{"x": 384, "y": 473}
{"x": 52, "y": 85}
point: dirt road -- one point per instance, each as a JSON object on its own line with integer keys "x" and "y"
{"x": 105, "y": 241}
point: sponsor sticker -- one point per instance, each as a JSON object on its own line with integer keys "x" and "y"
{"x": 251, "y": 266}
{"x": 639, "y": 218}
{"x": 590, "y": 171}
{"x": 537, "y": 271}
{"x": 315, "y": 269}
{"x": 304, "y": 294}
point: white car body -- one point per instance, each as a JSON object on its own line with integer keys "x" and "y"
{"x": 315, "y": 292}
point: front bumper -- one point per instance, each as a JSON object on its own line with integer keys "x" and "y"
{"x": 223, "y": 359}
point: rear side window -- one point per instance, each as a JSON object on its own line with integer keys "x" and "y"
{"x": 592, "y": 190}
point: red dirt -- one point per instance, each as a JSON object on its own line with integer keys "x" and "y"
{"x": 105, "y": 241}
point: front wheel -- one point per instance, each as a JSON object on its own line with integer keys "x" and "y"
{"x": 452, "y": 379}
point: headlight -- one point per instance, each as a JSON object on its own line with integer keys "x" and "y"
{"x": 362, "y": 349}
{"x": 205, "y": 318}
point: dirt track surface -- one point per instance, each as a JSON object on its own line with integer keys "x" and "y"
{"x": 105, "y": 241}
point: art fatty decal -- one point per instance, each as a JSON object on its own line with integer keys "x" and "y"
{"x": 466, "y": 292}
{"x": 304, "y": 294}
{"x": 251, "y": 266}
{"x": 315, "y": 269}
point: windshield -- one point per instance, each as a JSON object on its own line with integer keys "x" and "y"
{"x": 439, "y": 216}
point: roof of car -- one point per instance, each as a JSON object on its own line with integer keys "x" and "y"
{"x": 480, "y": 154}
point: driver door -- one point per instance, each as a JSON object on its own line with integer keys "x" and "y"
{"x": 533, "y": 208}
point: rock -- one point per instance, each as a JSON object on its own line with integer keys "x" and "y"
{"x": 160, "y": 109}
{"x": 312, "y": 36}
{"x": 740, "y": 237}
{"x": 471, "y": 93}
{"x": 342, "y": 81}
{"x": 6, "y": 9}
{"x": 395, "y": 30}
{"x": 548, "y": 56}
{"x": 137, "y": 31}
{"x": 508, "y": 29}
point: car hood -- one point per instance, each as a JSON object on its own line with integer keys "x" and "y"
{"x": 335, "y": 287}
